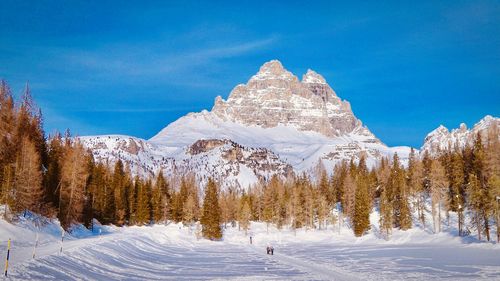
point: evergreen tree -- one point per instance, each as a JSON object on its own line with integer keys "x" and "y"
{"x": 244, "y": 218}
{"x": 325, "y": 189}
{"x": 323, "y": 211}
{"x": 361, "y": 219}
{"x": 133, "y": 194}
{"x": 386, "y": 214}
{"x": 96, "y": 187}
{"x": 414, "y": 182}
{"x": 481, "y": 198}
{"x": 143, "y": 211}
{"x": 53, "y": 174}
{"x": 400, "y": 204}
{"x": 28, "y": 178}
{"x": 109, "y": 215}
{"x": 211, "y": 217}
{"x": 120, "y": 193}
{"x": 349, "y": 193}
{"x": 476, "y": 202}
{"x": 73, "y": 182}
{"x": 298, "y": 212}
{"x": 157, "y": 202}
{"x": 438, "y": 183}
{"x": 189, "y": 211}
{"x": 7, "y": 145}
{"x": 164, "y": 187}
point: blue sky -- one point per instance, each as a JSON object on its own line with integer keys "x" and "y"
{"x": 101, "y": 67}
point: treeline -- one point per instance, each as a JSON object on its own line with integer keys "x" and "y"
{"x": 57, "y": 177}
{"x": 464, "y": 181}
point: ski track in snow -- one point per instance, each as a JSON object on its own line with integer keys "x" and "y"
{"x": 152, "y": 256}
{"x": 318, "y": 271}
{"x": 173, "y": 253}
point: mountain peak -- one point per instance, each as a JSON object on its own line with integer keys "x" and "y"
{"x": 273, "y": 70}
{"x": 272, "y": 65}
{"x": 312, "y": 77}
{"x": 439, "y": 131}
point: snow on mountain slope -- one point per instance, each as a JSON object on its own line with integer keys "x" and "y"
{"x": 224, "y": 160}
{"x": 302, "y": 122}
{"x": 441, "y": 138}
{"x": 293, "y": 124}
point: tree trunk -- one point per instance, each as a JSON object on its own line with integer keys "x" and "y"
{"x": 498, "y": 232}
{"x": 460, "y": 222}
{"x": 434, "y": 217}
{"x": 478, "y": 225}
{"x": 486, "y": 227}
{"x": 439, "y": 216}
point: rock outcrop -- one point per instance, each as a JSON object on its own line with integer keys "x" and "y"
{"x": 441, "y": 138}
{"x": 274, "y": 96}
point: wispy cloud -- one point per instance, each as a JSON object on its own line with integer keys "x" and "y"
{"x": 130, "y": 62}
{"x": 139, "y": 110}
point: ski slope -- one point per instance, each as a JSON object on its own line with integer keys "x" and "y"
{"x": 172, "y": 252}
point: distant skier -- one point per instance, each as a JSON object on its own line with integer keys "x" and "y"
{"x": 270, "y": 250}
{"x": 250, "y": 239}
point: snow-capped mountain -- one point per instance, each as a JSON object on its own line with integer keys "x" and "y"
{"x": 441, "y": 138}
{"x": 274, "y": 124}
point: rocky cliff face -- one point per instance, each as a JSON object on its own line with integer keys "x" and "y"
{"x": 441, "y": 138}
{"x": 274, "y": 96}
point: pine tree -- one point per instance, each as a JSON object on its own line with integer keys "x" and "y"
{"x": 361, "y": 218}
{"x": 438, "y": 183}
{"x": 349, "y": 194}
{"x": 120, "y": 193}
{"x": 164, "y": 187}
{"x": 224, "y": 208}
{"x": 337, "y": 181}
{"x": 244, "y": 218}
{"x": 456, "y": 199}
{"x": 28, "y": 178}
{"x": 7, "y": 145}
{"x": 476, "y": 199}
{"x": 211, "y": 217}
{"x": 298, "y": 212}
{"x": 492, "y": 171}
{"x": 189, "y": 211}
{"x": 73, "y": 182}
{"x": 494, "y": 184}
{"x": 325, "y": 189}
{"x": 109, "y": 214}
{"x": 53, "y": 174}
{"x": 481, "y": 199}
{"x": 400, "y": 204}
{"x": 132, "y": 199}
{"x": 158, "y": 204}
{"x": 386, "y": 214}
{"x": 323, "y": 210}
{"x": 414, "y": 182}
{"x": 143, "y": 212}
{"x": 270, "y": 201}
{"x": 96, "y": 186}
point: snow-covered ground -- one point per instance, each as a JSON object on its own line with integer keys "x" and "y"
{"x": 173, "y": 252}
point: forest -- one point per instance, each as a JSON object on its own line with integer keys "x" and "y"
{"x": 56, "y": 176}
